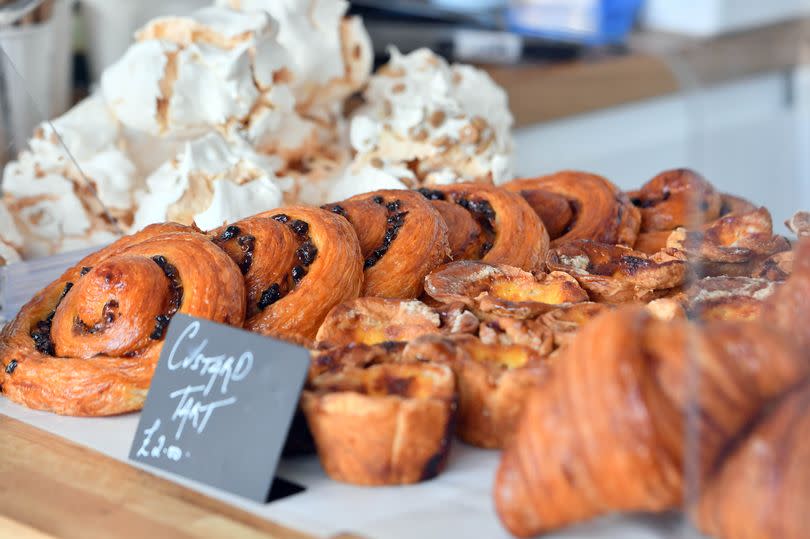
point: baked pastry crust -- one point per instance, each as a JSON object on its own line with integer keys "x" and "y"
{"x": 617, "y": 274}
{"x": 387, "y": 424}
{"x": 728, "y": 298}
{"x": 600, "y": 211}
{"x": 763, "y": 488}
{"x": 510, "y": 232}
{"x": 675, "y": 198}
{"x": 501, "y": 290}
{"x": 377, "y": 320}
{"x": 605, "y": 433}
{"x": 88, "y": 343}
{"x": 298, "y": 263}
{"x": 402, "y": 238}
{"x": 493, "y": 383}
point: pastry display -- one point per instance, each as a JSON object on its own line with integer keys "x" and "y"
{"x": 88, "y": 343}
{"x": 402, "y": 239}
{"x": 556, "y": 318}
{"x": 297, "y": 263}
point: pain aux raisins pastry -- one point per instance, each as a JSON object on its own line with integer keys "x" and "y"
{"x": 297, "y": 264}
{"x": 385, "y": 424}
{"x": 494, "y": 381}
{"x": 596, "y": 209}
{"x": 501, "y": 290}
{"x": 88, "y": 343}
{"x": 618, "y": 274}
{"x": 495, "y": 226}
{"x": 402, "y": 239}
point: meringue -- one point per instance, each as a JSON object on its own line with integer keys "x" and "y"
{"x": 211, "y": 183}
{"x": 10, "y": 237}
{"x": 446, "y": 123}
{"x": 57, "y": 201}
{"x": 331, "y": 54}
{"x": 216, "y": 69}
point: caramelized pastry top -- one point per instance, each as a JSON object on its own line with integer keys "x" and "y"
{"x": 403, "y": 380}
{"x": 598, "y": 209}
{"x": 675, "y": 198}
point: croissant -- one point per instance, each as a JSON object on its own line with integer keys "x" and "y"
{"x": 88, "y": 343}
{"x": 297, "y": 264}
{"x": 402, "y": 239}
{"x": 762, "y": 490}
{"x": 496, "y": 226}
{"x": 598, "y": 209}
{"x": 606, "y": 432}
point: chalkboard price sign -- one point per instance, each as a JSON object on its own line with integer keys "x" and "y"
{"x": 220, "y": 406}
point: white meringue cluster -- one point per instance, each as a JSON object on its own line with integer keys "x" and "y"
{"x": 239, "y": 108}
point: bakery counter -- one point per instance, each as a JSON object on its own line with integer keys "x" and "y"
{"x": 656, "y": 65}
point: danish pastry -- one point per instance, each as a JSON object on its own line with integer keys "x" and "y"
{"x": 501, "y": 228}
{"x": 599, "y": 210}
{"x": 88, "y": 343}
{"x": 402, "y": 239}
{"x": 676, "y": 198}
{"x": 297, "y": 264}
{"x": 387, "y": 424}
{"x": 617, "y": 274}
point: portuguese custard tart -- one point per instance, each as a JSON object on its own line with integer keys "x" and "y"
{"x": 496, "y": 226}
{"x": 339, "y": 358}
{"x": 565, "y": 322}
{"x": 501, "y": 290}
{"x": 387, "y": 424}
{"x": 733, "y": 245}
{"x": 597, "y": 209}
{"x": 728, "y": 298}
{"x": 493, "y": 383}
{"x": 88, "y": 343}
{"x": 617, "y": 274}
{"x": 297, "y": 263}
{"x": 377, "y": 320}
{"x": 508, "y": 331}
{"x": 402, "y": 238}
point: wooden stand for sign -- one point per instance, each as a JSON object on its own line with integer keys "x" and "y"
{"x": 54, "y": 488}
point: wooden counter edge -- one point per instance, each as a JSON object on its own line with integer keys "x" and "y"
{"x": 657, "y": 65}
{"x": 52, "y": 487}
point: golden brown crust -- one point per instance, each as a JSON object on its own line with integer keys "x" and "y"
{"x": 377, "y": 320}
{"x": 727, "y": 298}
{"x": 788, "y": 309}
{"x": 763, "y": 488}
{"x": 652, "y": 242}
{"x": 89, "y": 342}
{"x": 507, "y": 331}
{"x": 565, "y": 322}
{"x": 600, "y": 211}
{"x": 501, "y": 290}
{"x": 464, "y": 234}
{"x": 617, "y": 274}
{"x": 511, "y": 233}
{"x": 776, "y": 267}
{"x": 733, "y": 245}
{"x": 402, "y": 238}
{"x": 674, "y": 198}
{"x": 606, "y": 433}
{"x": 298, "y": 263}
{"x": 493, "y": 383}
{"x": 387, "y": 424}
{"x": 734, "y": 204}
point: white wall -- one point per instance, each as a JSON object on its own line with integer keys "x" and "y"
{"x": 750, "y": 137}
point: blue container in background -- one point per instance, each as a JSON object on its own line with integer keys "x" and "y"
{"x": 592, "y": 22}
